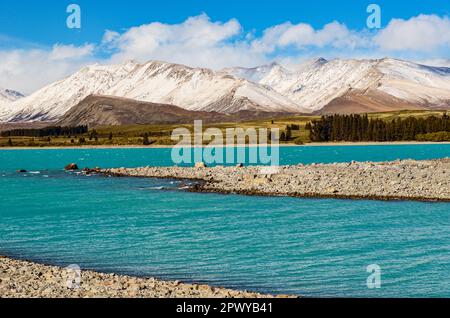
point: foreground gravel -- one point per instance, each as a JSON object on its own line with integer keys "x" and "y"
{"x": 398, "y": 180}
{"x": 20, "y": 279}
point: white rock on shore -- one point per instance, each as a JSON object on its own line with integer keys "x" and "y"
{"x": 403, "y": 179}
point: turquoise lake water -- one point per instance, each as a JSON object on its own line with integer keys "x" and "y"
{"x": 310, "y": 247}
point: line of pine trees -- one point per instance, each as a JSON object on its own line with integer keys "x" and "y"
{"x": 46, "y": 132}
{"x": 361, "y": 128}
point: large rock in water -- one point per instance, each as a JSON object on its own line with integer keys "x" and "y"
{"x": 72, "y": 166}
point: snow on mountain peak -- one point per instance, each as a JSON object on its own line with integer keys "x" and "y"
{"x": 154, "y": 81}
{"x": 315, "y": 83}
{"x": 254, "y": 74}
{"x": 8, "y": 95}
{"x": 306, "y": 88}
{"x": 309, "y": 64}
{"x": 198, "y": 89}
{"x": 414, "y": 82}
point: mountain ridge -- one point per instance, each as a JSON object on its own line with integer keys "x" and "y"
{"x": 196, "y": 89}
{"x": 317, "y": 83}
{"x": 310, "y": 87}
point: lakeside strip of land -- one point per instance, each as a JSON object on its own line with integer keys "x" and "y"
{"x": 23, "y": 279}
{"x": 312, "y": 144}
{"x": 427, "y": 180}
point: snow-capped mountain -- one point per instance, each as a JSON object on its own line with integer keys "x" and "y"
{"x": 268, "y": 75}
{"x": 157, "y": 82}
{"x": 8, "y": 95}
{"x": 417, "y": 83}
{"x": 199, "y": 89}
{"x": 314, "y": 86}
{"x": 56, "y": 99}
{"x": 316, "y": 83}
{"x": 255, "y": 74}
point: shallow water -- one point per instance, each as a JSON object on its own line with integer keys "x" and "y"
{"x": 311, "y": 247}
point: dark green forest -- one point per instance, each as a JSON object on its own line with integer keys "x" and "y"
{"x": 46, "y": 132}
{"x": 362, "y": 128}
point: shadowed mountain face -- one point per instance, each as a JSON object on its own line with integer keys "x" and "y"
{"x": 97, "y": 110}
{"x": 368, "y": 102}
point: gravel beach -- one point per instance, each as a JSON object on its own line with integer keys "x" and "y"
{"x": 397, "y": 180}
{"x": 21, "y": 279}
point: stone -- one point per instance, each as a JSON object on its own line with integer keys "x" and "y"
{"x": 200, "y": 165}
{"x": 71, "y": 167}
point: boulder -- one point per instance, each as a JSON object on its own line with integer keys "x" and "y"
{"x": 71, "y": 166}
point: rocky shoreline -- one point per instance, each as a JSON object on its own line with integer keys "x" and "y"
{"x": 427, "y": 180}
{"x": 22, "y": 279}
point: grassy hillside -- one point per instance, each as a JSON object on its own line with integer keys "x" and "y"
{"x": 161, "y": 134}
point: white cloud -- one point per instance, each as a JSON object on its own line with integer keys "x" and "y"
{"x": 201, "y": 42}
{"x": 197, "y": 42}
{"x": 423, "y": 33}
{"x": 28, "y": 70}
{"x": 65, "y": 52}
{"x": 302, "y": 36}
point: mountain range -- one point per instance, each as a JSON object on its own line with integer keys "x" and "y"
{"x": 316, "y": 86}
{"x": 375, "y": 85}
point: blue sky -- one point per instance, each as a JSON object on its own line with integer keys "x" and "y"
{"x": 43, "y": 21}
{"x": 36, "y": 47}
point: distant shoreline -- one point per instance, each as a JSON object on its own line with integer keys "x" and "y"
{"x": 313, "y": 144}
{"x": 375, "y": 143}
